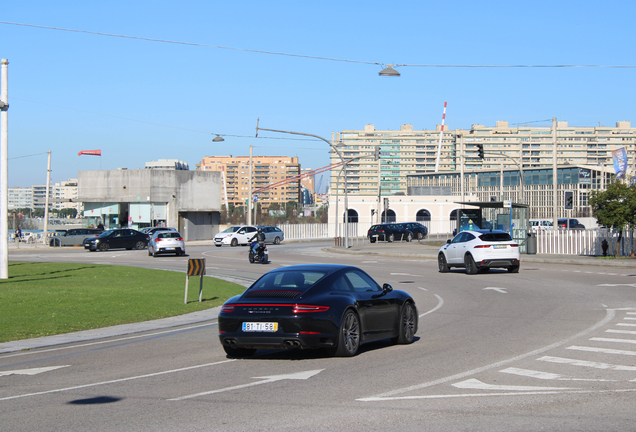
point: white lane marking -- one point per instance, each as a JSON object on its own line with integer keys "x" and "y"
{"x": 368, "y": 262}
{"x": 100, "y": 342}
{"x": 588, "y": 364}
{"x": 532, "y": 373}
{"x": 599, "y": 339}
{"x": 629, "y": 318}
{"x": 626, "y": 324}
{"x": 475, "y": 384}
{"x": 115, "y": 381}
{"x": 631, "y": 313}
{"x": 423, "y": 289}
{"x": 440, "y": 302}
{"x": 474, "y": 395}
{"x": 616, "y": 285}
{"x": 404, "y": 274}
{"x": 546, "y": 375}
{"x": 501, "y": 290}
{"x": 33, "y": 371}
{"x": 602, "y": 350}
{"x": 267, "y": 379}
{"x": 632, "y": 332}
{"x": 609, "y": 316}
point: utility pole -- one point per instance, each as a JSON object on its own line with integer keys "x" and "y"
{"x": 249, "y": 190}
{"x": 4, "y": 166}
{"x": 555, "y": 217}
{"x": 46, "y": 200}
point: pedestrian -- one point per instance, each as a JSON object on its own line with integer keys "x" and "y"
{"x": 100, "y": 226}
{"x": 18, "y": 234}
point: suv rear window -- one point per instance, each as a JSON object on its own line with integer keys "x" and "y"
{"x": 495, "y": 237}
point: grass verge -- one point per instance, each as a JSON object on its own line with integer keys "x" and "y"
{"x": 43, "y": 299}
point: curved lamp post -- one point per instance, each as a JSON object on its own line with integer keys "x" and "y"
{"x": 344, "y": 163}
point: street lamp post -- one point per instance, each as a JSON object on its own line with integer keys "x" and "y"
{"x": 520, "y": 171}
{"x": 344, "y": 164}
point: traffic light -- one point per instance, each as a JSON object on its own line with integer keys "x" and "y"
{"x": 480, "y": 151}
{"x": 377, "y": 152}
{"x": 569, "y": 200}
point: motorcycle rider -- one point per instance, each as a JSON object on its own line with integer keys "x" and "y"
{"x": 260, "y": 239}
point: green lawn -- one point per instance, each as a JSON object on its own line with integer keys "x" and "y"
{"x": 42, "y": 299}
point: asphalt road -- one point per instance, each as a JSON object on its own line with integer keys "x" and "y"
{"x": 553, "y": 347}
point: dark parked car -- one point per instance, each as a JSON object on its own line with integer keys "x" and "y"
{"x": 124, "y": 238}
{"x": 389, "y": 232}
{"x": 74, "y": 237}
{"x": 574, "y": 224}
{"x": 329, "y": 306}
{"x": 418, "y": 230}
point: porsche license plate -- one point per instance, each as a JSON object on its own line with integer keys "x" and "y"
{"x": 260, "y": 326}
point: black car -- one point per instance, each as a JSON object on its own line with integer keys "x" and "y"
{"x": 329, "y": 306}
{"x": 574, "y": 224}
{"x": 389, "y": 232}
{"x": 418, "y": 230}
{"x": 117, "y": 239}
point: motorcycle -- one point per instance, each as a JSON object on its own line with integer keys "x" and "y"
{"x": 261, "y": 255}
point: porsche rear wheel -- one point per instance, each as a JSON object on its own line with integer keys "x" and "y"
{"x": 408, "y": 325}
{"x": 349, "y": 335}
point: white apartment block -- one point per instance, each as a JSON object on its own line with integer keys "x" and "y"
{"x": 409, "y": 152}
{"x": 61, "y": 195}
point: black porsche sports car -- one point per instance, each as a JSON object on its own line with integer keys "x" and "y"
{"x": 335, "y": 307}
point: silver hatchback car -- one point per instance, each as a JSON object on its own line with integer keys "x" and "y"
{"x": 166, "y": 242}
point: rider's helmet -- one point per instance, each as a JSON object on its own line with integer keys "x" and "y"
{"x": 260, "y": 229}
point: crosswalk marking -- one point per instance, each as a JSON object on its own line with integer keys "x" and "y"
{"x": 599, "y": 339}
{"x": 602, "y": 350}
{"x": 633, "y": 332}
{"x": 589, "y": 364}
{"x": 626, "y": 324}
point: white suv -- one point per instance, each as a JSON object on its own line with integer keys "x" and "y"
{"x": 480, "y": 250}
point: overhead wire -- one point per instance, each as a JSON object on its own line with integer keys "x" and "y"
{"x": 148, "y": 39}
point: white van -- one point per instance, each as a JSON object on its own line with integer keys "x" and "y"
{"x": 540, "y": 224}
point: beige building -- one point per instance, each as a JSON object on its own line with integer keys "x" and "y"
{"x": 266, "y": 170}
{"x": 409, "y": 152}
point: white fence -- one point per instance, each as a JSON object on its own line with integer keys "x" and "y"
{"x": 583, "y": 242}
{"x": 572, "y": 242}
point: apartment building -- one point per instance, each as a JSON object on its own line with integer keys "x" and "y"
{"x": 61, "y": 195}
{"x": 412, "y": 152}
{"x": 167, "y": 164}
{"x": 266, "y": 170}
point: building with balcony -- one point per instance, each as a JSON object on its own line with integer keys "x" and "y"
{"x": 409, "y": 152}
{"x": 266, "y": 170}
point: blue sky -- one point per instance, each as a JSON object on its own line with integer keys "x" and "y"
{"x": 140, "y": 100}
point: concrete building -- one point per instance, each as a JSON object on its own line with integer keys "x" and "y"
{"x": 187, "y": 200}
{"x": 266, "y": 170}
{"x": 407, "y": 151}
{"x": 20, "y": 198}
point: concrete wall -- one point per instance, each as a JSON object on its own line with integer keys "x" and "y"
{"x": 185, "y": 193}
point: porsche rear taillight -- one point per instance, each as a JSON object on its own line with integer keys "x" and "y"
{"x": 309, "y": 308}
{"x": 227, "y": 308}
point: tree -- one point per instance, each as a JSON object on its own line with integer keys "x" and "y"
{"x": 615, "y": 208}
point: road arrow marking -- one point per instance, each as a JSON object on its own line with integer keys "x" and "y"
{"x": 475, "y": 384}
{"x": 501, "y": 290}
{"x": 33, "y": 371}
{"x": 267, "y": 379}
